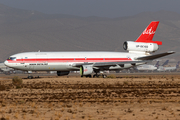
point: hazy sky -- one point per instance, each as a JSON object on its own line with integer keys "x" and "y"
{"x": 102, "y": 8}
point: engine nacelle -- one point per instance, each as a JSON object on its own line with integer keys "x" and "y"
{"x": 140, "y": 46}
{"x": 61, "y": 73}
{"x": 86, "y": 70}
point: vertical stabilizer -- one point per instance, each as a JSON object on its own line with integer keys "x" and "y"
{"x": 177, "y": 65}
{"x": 165, "y": 63}
{"x": 148, "y": 34}
{"x": 157, "y": 64}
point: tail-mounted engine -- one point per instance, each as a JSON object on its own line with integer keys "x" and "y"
{"x": 140, "y": 46}
{"x": 86, "y": 70}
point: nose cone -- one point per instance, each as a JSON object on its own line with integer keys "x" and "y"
{"x": 6, "y": 63}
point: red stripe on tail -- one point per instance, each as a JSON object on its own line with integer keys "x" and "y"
{"x": 148, "y": 34}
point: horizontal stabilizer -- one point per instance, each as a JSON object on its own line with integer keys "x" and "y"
{"x": 151, "y": 57}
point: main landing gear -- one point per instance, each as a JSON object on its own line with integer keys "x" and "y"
{"x": 99, "y": 75}
{"x": 87, "y": 76}
{"x": 95, "y": 76}
{"x": 30, "y": 76}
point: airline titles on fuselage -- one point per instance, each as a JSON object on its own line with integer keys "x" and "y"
{"x": 38, "y": 64}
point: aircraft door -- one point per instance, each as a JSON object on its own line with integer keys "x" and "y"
{"x": 23, "y": 63}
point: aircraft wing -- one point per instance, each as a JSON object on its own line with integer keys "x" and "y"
{"x": 80, "y": 64}
{"x": 151, "y": 57}
{"x": 106, "y": 64}
{"x": 141, "y": 60}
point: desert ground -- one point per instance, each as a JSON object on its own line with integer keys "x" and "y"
{"x": 118, "y": 97}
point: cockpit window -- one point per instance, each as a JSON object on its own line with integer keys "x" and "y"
{"x": 11, "y": 58}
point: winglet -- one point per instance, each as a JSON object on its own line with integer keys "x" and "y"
{"x": 148, "y": 34}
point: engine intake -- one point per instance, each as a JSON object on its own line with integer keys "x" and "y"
{"x": 86, "y": 70}
{"x": 140, "y": 46}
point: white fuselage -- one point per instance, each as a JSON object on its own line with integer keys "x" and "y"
{"x": 64, "y": 61}
{"x": 163, "y": 69}
{"x": 146, "y": 68}
{"x": 89, "y": 62}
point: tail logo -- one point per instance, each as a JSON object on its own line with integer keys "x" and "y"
{"x": 149, "y": 32}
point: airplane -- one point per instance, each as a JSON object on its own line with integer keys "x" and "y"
{"x": 161, "y": 66}
{"x": 6, "y": 70}
{"x": 91, "y": 62}
{"x": 146, "y": 67}
{"x": 164, "y": 69}
{"x": 152, "y": 68}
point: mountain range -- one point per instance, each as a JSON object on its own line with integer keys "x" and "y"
{"x": 25, "y": 30}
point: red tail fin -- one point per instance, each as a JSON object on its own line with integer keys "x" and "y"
{"x": 148, "y": 34}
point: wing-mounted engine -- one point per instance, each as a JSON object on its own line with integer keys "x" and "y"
{"x": 61, "y": 73}
{"x": 140, "y": 46}
{"x": 86, "y": 70}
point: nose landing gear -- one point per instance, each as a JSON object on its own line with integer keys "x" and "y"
{"x": 29, "y": 75}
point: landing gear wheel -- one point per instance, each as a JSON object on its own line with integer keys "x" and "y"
{"x": 30, "y": 77}
{"x": 95, "y": 75}
{"x": 88, "y": 76}
{"x": 104, "y": 76}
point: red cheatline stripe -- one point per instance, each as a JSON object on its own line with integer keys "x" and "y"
{"x": 50, "y": 60}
